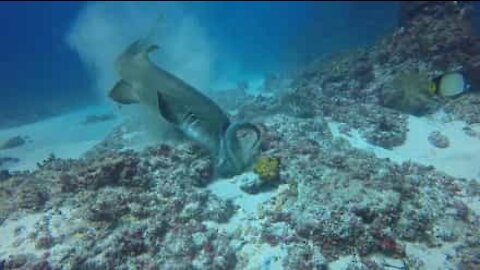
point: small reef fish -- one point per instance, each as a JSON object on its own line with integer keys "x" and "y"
{"x": 194, "y": 114}
{"x": 449, "y": 84}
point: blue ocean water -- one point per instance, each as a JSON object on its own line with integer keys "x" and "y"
{"x": 339, "y": 135}
{"x": 38, "y": 71}
{"x": 42, "y": 75}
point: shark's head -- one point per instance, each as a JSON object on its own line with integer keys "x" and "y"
{"x": 237, "y": 154}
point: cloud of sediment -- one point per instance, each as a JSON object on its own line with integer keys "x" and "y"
{"x": 103, "y": 30}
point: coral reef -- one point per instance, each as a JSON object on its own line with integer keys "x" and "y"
{"x": 434, "y": 38}
{"x": 296, "y": 105}
{"x": 438, "y": 140}
{"x": 232, "y": 99}
{"x": 267, "y": 168}
{"x": 351, "y": 202}
{"x": 4, "y": 174}
{"x": 6, "y": 160}
{"x": 305, "y": 257}
{"x": 131, "y": 206}
{"x": 438, "y": 36}
{"x": 465, "y": 108}
{"x": 251, "y": 184}
{"x": 317, "y": 199}
{"x": 409, "y": 92}
{"x": 440, "y": 33}
{"x": 377, "y": 75}
{"x": 272, "y": 83}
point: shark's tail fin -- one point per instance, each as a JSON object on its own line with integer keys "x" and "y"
{"x": 145, "y": 45}
{"x": 150, "y": 38}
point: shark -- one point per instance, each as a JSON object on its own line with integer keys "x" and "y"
{"x": 191, "y": 112}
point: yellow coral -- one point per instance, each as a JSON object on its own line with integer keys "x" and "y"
{"x": 267, "y": 168}
{"x": 128, "y": 218}
{"x": 78, "y": 235}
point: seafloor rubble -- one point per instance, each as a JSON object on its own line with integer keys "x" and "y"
{"x": 150, "y": 210}
{"x": 122, "y": 209}
{"x": 118, "y": 210}
{"x": 351, "y": 202}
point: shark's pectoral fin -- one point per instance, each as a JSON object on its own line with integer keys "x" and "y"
{"x": 124, "y": 93}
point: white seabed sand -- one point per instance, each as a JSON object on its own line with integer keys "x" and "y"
{"x": 460, "y": 159}
{"x": 18, "y": 232}
{"x": 65, "y": 136}
{"x": 13, "y": 229}
{"x": 252, "y": 254}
